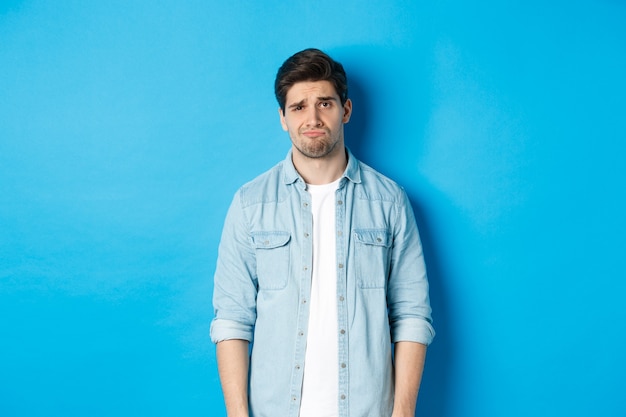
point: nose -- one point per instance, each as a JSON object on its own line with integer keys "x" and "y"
{"x": 313, "y": 116}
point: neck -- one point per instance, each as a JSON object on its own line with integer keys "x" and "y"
{"x": 319, "y": 171}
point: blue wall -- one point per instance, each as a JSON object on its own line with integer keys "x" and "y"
{"x": 125, "y": 128}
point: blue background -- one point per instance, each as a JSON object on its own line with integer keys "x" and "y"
{"x": 126, "y": 127}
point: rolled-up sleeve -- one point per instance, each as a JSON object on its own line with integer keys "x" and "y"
{"x": 408, "y": 300}
{"x": 235, "y": 282}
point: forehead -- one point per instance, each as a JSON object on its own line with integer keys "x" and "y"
{"x": 305, "y": 90}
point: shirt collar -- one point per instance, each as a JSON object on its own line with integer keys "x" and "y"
{"x": 352, "y": 172}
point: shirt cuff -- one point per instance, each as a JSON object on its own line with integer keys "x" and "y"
{"x": 222, "y": 329}
{"x": 413, "y": 330}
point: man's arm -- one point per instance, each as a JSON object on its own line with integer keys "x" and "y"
{"x": 408, "y": 364}
{"x": 232, "y": 363}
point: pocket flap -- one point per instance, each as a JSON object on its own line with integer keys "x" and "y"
{"x": 378, "y": 237}
{"x": 270, "y": 240}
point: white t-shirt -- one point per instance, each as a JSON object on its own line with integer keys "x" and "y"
{"x": 320, "y": 385}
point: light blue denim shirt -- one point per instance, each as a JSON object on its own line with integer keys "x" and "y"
{"x": 263, "y": 281}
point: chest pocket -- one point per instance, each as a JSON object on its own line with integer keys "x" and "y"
{"x": 272, "y": 258}
{"x": 372, "y": 250}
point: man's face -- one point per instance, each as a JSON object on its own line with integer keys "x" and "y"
{"x": 314, "y": 118}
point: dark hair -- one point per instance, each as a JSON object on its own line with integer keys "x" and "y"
{"x": 310, "y": 65}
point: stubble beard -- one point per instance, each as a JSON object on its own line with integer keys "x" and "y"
{"x": 315, "y": 149}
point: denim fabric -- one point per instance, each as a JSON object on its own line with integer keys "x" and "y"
{"x": 263, "y": 281}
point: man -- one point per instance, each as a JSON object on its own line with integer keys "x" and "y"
{"x": 320, "y": 271}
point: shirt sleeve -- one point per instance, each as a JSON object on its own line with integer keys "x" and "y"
{"x": 408, "y": 301}
{"x": 235, "y": 282}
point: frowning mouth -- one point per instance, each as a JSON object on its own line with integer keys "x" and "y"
{"x": 314, "y": 133}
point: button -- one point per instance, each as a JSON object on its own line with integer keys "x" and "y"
{"x": 301, "y": 333}
{"x": 343, "y": 397}
{"x": 298, "y": 367}
{"x": 342, "y": 331}
{"x": 267, "y": 242}
{"x": 378, "y": 239}
{"x": 341, "y": 298}
{"x": 306, "y": 235}
{"x": 343, "y": 365}
{"x": 306, "y": 204}
{"x": 339, "y": 233}
{"x": 340, "y": 265}
{"x": 339, "y": 202}
{"x": 304, "y": 301}
{"x": 294, "y": 399}
{"x": 306, "y": 268}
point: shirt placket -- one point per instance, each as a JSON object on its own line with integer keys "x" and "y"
{"x": 342, "y": 313}
{"x": 306, "y": 259}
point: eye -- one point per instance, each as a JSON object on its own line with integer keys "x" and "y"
{"x": 325, "y": 104}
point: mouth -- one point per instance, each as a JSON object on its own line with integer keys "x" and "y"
{"x": 314, "y": 133}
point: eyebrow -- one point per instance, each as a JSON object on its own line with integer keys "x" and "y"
{"x": 303, "y": 102}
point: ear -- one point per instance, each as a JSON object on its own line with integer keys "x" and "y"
{"x": 283, "y": 123}
{"x": 347, "y": 111}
